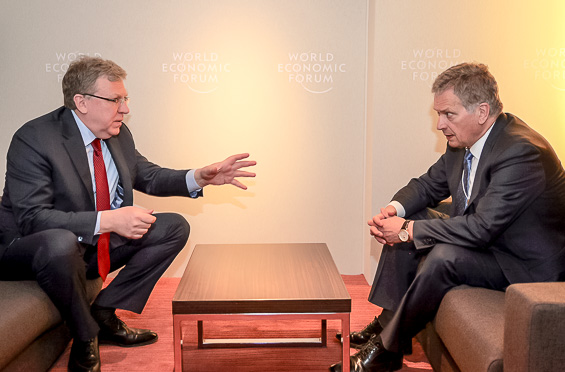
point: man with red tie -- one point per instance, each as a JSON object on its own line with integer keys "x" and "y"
{"x": 67, "y": 211}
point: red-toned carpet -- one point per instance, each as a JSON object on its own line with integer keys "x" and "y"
{"x": 159, "y": 356}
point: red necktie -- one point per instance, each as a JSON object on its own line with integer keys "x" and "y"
{"x": 102, "y": 204}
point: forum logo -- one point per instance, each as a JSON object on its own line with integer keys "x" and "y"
{"x": 314, "y": 72}
{"x": 548, "y": 65}
{"x": 62, "y": 60}
{"x": 426, "y": 64}
{"x": 201, "y": 72}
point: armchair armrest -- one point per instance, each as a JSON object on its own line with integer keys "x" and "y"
{"x": 534, "y": 327}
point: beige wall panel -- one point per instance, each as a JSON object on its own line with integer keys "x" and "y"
{"x": 281, "y": 79}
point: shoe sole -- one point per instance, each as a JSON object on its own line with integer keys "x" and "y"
{"x": 405, "y": 351}
{"x": 352, "y": 345}
{"x": 109, "y": 342}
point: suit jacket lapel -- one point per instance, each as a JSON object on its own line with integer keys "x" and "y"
{"x": 73, "y": 143}
{"x": 123, "y": 170}
{"x": 498, "y": 125}
{"x": 455, "y": 177}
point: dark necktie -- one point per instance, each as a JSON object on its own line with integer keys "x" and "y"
{"x": 102, "y": 204}
{"x": 462, "y": 195}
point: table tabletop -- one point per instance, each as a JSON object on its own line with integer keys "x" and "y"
{"x": 261, "y": 278}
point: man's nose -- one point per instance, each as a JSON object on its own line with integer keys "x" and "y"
{"x": 123, "y": 108}
{"x": 440, "y": 123}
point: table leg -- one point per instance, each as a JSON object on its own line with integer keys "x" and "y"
{"x": 324, "y": 336}
{"x": 200, "y": 327}
{"x": 345, "y": 332}
{"x": 177, "y": 343}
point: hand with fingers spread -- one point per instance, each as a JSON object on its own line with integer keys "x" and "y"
{"x": 225, "y": 172}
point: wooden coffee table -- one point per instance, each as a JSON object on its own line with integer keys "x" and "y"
{"x": 260, "y": 281}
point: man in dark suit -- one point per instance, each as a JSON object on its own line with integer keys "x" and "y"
{"x": 506, "y": 226}
{"x": 62, "y": 168}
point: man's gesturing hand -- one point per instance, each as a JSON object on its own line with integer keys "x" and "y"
{"x": 225, "y": 172}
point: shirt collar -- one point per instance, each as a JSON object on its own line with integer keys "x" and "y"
{"x": 478, "y": 146}
{"x": 87, "y": 135}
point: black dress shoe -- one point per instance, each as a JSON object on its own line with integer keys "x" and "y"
{"x": 373, "y": 357}
{"x": 84, "y": 356}
{"x": 358, "y": 339}
{"x": 115, "y": 332}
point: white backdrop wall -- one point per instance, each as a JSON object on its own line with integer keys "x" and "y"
{"x": 212, "y": 78}
{"x": 281, "y": 79}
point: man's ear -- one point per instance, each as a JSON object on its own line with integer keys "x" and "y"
{"x": 483, "y": 112}
{"x": 80, "y": 103}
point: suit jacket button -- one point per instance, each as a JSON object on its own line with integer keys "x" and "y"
{"x": 80, "y": 238}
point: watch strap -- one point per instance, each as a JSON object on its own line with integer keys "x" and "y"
{"x": 405, "y": 225}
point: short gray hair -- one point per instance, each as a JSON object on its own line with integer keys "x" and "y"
{"x": 473, "y": 84}
{"x": 83, "y": 73}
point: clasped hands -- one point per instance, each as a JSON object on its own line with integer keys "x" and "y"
{"x": 385, "y": 226}
{"x": 134, "y": 222}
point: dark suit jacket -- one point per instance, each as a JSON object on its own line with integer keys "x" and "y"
{"x": 48, "y": 180}
{"x": 517, "y": 205}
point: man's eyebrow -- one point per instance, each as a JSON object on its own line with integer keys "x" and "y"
{"x": 442, "y": 111}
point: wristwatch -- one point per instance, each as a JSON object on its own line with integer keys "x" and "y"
{"x": 403, "y": 234}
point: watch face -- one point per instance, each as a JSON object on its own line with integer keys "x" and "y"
{"x": 403, "y": 235}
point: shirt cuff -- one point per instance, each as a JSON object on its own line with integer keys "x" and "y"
{"x": 97, "y": 227}
{"x": 400, "y": 211}
{"x": 192, "y": 186}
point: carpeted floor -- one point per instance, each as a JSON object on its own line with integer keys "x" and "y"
{"x": 159, "y": 356}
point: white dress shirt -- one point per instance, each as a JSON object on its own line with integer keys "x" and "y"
{"x": 116, "y": 191}
{"x": 476, "y": 150}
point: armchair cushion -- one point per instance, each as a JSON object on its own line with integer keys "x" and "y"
{"x": 534, "y": 329}
{"x": 470, "y": 322}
